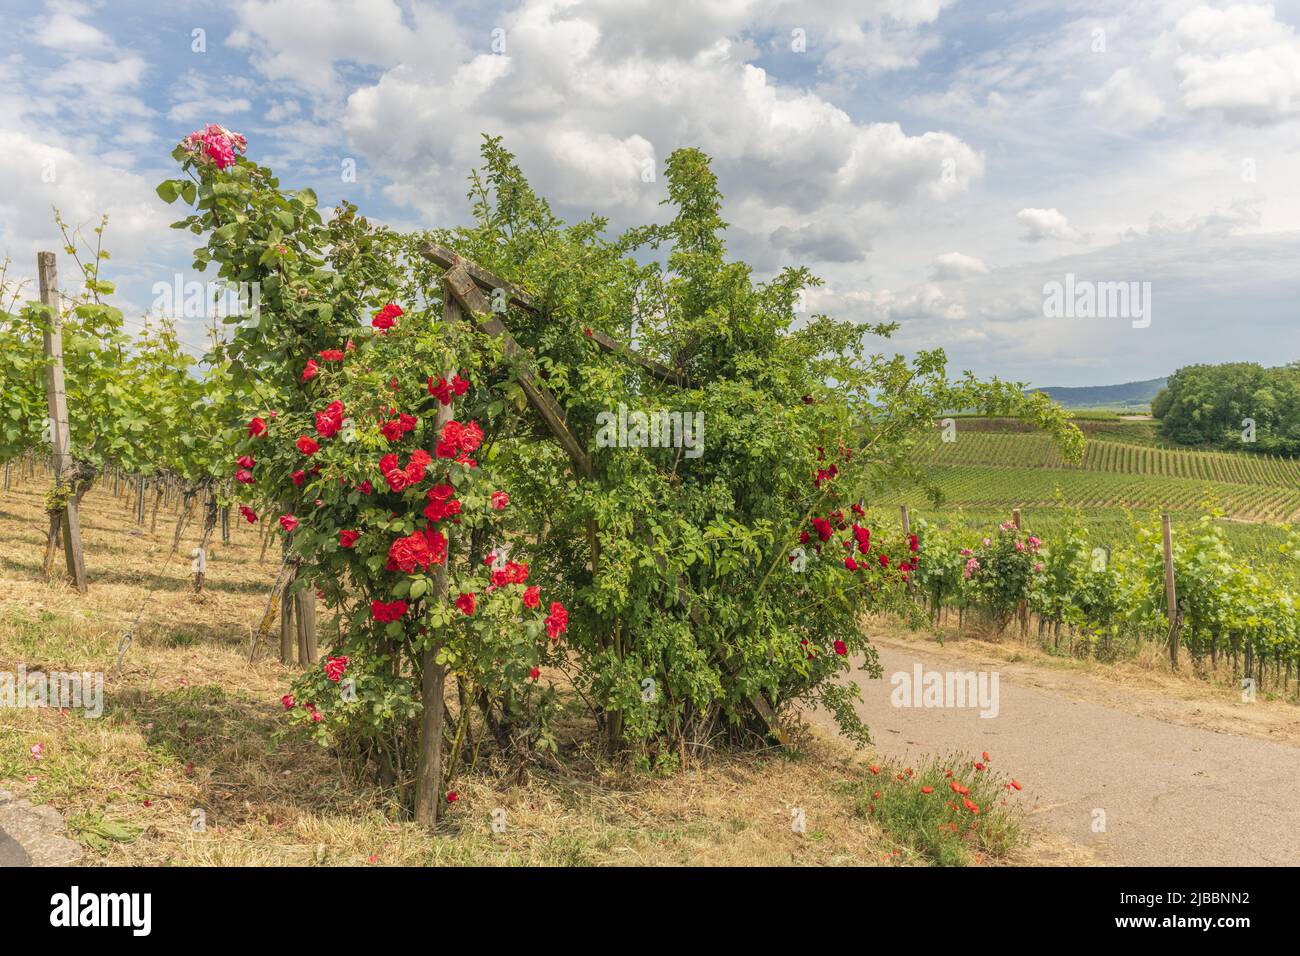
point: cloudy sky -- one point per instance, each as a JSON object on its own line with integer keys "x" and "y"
{"x": 937, "y": 162}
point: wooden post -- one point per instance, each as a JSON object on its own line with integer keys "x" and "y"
{"x": 1022, "y": 610}
{"x": 907, "y": 524}
{"x": 1171, "y": 593}
{"x": 286, "y": 623}
{"x": 57, "y": 406}
{"x": 306, "y": 608}
{"x": 428, "y": 771}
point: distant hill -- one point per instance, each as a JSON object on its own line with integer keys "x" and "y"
{"x": 1127, "y": 395}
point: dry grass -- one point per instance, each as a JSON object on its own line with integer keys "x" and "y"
{"x": 189, "y": 725}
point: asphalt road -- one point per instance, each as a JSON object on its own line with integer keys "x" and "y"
{"x": 1171, "y": 795}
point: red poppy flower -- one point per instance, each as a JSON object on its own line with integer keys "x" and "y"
{"x": 970, "y": 805}
{"x": 1016, "y": 784}
{"x": 927, "y": 789}
{"x": 986, "y": 756}
{"x": 874, "y": 769}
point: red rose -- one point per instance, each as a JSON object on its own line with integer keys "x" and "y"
{"x": 330, "y": 421}
{"x": 392, "y": 430}
{"x": 466, "y": 603}
{"x": 387, "y": 612}
{"x": 850, "y": 564}
{"x": 884, "y": 560}
{"x": 532, "y": 596}
{"x": 557, "y": 622}
{"x": 287, "y": 700}
{"x": 331, "y": 355}
{"x": 256, "y": 427}
{"x": 334, "y": 668}
{"x": 384, "y": 317}
{"x": 244, "y": 476}
{"x": 249, "y": 514}
{"x": 288, "y": 523}
{"x": 499, "y": 500}
{"x": 441, "y": 391}
{"x": 307, "y": 445}
{"x": 365, "y": 487}
{"x": 452, "y": 796}
{"x": 310, "y": 370}
{"x": 459, "y": 385}
{"x": 298, "y": 477}
{"x": 347, "y": 539}
{"x": 840, "y": 648}
{"x": 245, "y": 461}
{"x": 535, "y": 673}
{"x": 420, "y": 549}
{"x": 913, "y": 543}
{"x": 317, "y": 716}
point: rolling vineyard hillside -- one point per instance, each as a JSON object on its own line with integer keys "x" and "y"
{"x": 992, "y": 469}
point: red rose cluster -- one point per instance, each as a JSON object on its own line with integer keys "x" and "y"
{"x": 418, "y": 549}
{"x": 457, "y": 441}
{"x": 386, "y": 317}
{"x": 442, "y": 503}
{"x": 329, "y": 421}
{"x": 399, "y": 479}
{"x": 444, "y": 390}
{"x": 395, "y": 428}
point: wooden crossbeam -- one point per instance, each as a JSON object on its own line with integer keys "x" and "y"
{"x": 464, "y": 290}
{"x": 490, "y": 282}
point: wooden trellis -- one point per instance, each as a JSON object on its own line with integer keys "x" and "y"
{"x": 468, "y": 285}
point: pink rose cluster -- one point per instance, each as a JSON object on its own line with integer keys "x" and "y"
{"x": 215, "y": 143}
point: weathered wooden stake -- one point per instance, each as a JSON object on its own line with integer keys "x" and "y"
{"x": 57, "y": 405}
{"x": 1171, "y": 594}
{"x": 428, "y": 771}
{"x": 907, "y": 524}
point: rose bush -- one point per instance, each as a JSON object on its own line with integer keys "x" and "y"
{"x": 666, "y": 576}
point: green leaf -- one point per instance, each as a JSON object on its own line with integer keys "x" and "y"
{"x": 168, "y": 190}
